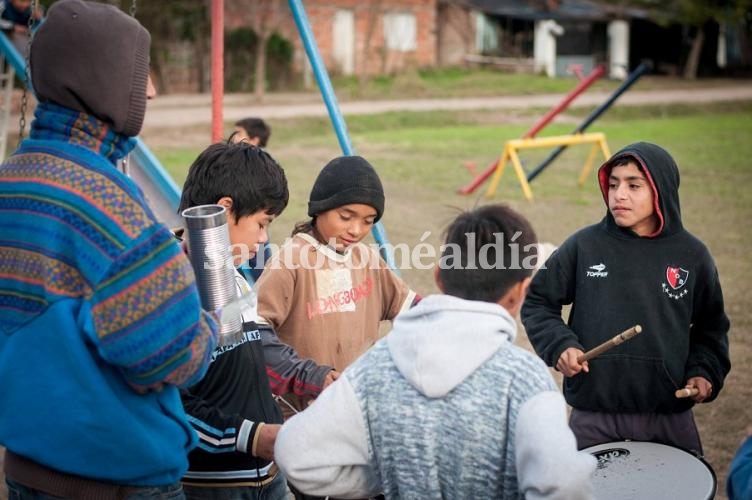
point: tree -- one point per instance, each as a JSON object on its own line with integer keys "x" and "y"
{"x": 373, "y": 13}
{"x": 266, "y": 17}
{"x": 183, "y": 20}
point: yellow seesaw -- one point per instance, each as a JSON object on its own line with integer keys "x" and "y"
{"x": 597, "y": 139}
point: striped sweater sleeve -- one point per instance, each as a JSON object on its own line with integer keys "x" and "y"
{"x": 147, "y": 315}
{"x": 287, "y": 371}
{"x": 218, "y": 431}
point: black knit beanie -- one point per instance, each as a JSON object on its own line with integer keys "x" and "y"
{"x": 92, "y": 57}
{"x": 346, "y": 180}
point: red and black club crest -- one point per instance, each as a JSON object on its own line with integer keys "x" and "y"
{"x": 676, "y": 277}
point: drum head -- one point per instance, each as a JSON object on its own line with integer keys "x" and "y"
{"x": 629, "y": 470}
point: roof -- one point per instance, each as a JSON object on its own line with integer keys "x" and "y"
{"x": 574, "y": 10}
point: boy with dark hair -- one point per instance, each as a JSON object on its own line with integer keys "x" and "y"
{"x": 253, "y": 131}
{"x": 446, "y": 406}
{"x": 232, "y": 408}
{"x": 637, "y": 266}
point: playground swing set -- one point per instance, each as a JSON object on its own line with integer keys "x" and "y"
{"x": 510, "y": 151}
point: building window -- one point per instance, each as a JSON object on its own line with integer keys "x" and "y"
{"x": 486, "y": 39}
{"x": 400, "y": 31}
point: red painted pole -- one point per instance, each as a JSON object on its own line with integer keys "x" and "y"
{"x": 539, "y": 125}
{"x": 217, "y": 67}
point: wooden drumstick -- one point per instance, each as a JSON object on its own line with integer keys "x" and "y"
{"x": 616, "y": 340}
{"x": 687, "y": 392}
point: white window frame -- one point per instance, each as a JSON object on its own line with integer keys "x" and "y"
{"x": 400, "y": 31}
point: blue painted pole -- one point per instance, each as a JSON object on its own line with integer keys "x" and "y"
{"x": 335, "y": 115}
{"x": 633, "y": 77}
{"x": 13, "y": 56}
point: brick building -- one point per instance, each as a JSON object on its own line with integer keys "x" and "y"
{"x": 355, "y": 36}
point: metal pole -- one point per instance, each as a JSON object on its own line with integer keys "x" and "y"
{"x": 217, "y": 67}
{"x": 545, "y": 120}
{"x": 633, "y": 77}
{"x": 12, "y": 55}
{"x": 335, "y": 115}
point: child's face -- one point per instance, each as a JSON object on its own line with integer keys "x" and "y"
{"x": 247, "y": 233}
{"x": 347, "y": 224}
{"x": 631, "y": 200}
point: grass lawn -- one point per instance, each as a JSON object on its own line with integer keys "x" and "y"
{"x": 424, "y": 158}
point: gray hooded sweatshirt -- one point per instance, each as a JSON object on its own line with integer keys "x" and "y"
{"x": 446, "y": 406}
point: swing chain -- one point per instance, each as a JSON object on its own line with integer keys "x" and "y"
{"x": 27, "y": 74}
{"x": 124, "y": 162}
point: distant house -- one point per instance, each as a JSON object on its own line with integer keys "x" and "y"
{"x": 552, "y": 37}
{"x": 556, "y": 36}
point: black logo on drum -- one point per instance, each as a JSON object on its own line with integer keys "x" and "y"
{"x": 606, "y": 457}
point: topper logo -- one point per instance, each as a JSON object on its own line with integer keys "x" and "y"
{"x": 597, "y": 271}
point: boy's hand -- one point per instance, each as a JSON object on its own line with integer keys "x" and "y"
{"x": 266, "y": 438}
{"x": 331, "y": 377}
{"x": 568, "y": 364}
{"x": 704, "y": 387}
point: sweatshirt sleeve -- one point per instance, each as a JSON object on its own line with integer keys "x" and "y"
{"x": 288, "y": 372}
{"x": 147, "y": 315}
{"x": 548, "y": 463}
{"x": 219, "y": 432}
{"x": 324, "y": 450}
{"x": 709, "y": 345}
{"x": 550, "y": 290}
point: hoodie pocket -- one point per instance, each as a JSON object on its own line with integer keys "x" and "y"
{"x": 624, "y": 383}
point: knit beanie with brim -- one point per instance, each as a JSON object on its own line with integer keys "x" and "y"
{"x": 94, "y": 58}
{"x": 344, "y": 181}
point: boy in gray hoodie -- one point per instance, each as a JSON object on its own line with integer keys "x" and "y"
{"x": 446, "y": 406}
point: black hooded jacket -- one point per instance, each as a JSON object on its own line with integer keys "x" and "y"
{"x": 227, "y": 409}
{"x": 666, "y": 282}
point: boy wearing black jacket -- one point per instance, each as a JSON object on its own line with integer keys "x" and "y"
{"x": 637, "y": 266}
{"x": 232, "y": 409}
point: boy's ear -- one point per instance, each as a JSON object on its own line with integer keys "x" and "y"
{"x": 512, "y": 300}
{"x": 226, "y": 202}
{"x": 437, "y": 278}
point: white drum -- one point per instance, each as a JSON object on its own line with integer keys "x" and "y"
{"x": 636, "y": 470}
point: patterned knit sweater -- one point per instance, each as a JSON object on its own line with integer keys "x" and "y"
{"x": 100, "y": 319}
{"x": 444, "y": 407}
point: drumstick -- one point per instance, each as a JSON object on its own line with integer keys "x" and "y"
{"x": 687, "y": 392}
{"x": 616, "y": 340}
